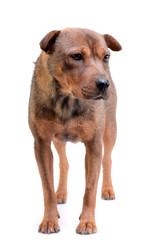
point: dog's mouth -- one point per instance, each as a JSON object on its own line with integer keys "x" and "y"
{"x": 99, "y": 97}
{"x": 92, "y": 95}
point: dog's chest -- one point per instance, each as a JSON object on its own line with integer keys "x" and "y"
{"x": 81, "y": 126}
{"x": 77, "y": 119}
{"x": 75, "y": 131}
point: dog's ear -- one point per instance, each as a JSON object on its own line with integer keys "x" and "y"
{"x": 112, "y": 43}
{"x": 47, "y": 43}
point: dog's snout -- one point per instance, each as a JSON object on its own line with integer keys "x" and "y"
{"x": 102, "y": 84}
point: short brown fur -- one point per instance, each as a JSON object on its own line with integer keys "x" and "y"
{"x": 66, "y": 105}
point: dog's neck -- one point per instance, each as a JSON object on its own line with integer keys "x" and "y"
{"x": 66, "y": 106}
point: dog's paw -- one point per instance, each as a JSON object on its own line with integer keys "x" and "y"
{"x": 85, "y": 228}
{"x": 108, "y": 194}
{"x": 61, "y": 197}
{"x": 49, "y": 227}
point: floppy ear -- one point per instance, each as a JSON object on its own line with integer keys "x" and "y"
{"x": 112, "y": 43}
{"x": 47, "y": 43}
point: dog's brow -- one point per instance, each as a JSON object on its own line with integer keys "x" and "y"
{"x": 100, "y": 52}
{"x": 103, "y": 51}
{"x": 75, "y": 50}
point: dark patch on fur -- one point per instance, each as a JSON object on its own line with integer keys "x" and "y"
{"x": 67, "y": 66}
{"x": 56, "y": 99}
{"x": 57, "y": 86}
{"x": 65, "y": 103}
{"x": 67, "y": 107}
{"x": 76, "y": 110}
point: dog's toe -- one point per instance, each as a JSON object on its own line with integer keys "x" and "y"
{"x": 85, "y": 228}
{"x": 108, "y": 194}
{"x": 48, "y": 227}
{"x": 61, "y": 198}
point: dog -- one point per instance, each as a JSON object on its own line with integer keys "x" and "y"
{"x": 73, "y": 98}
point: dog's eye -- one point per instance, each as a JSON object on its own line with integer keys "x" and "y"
{"x": 77, "y": 57}
{"x": 106, "y": 58}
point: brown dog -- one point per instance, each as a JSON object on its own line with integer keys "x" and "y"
{"x": 73, "y": 98}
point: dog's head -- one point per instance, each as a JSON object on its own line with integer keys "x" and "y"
{"x": 79, "y": 60}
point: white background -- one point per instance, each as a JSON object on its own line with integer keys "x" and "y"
{"x": 135, "y": 214}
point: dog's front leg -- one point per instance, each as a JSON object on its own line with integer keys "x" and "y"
{"x": 44, "y": 159}
{"x": 93, "y": 161}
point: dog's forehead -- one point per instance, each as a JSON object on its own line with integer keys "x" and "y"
{"x": 77, "y": 37}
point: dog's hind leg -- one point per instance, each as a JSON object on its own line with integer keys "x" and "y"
{"x": 63, "y": 165}
{"x": 109, "y": 141}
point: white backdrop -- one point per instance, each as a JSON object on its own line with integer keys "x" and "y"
{"x": 136, "y": 72}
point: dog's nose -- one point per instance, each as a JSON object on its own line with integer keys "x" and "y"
{"x": 102, "y": 84}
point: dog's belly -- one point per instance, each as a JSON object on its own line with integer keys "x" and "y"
{"x": 66, "y": 136}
